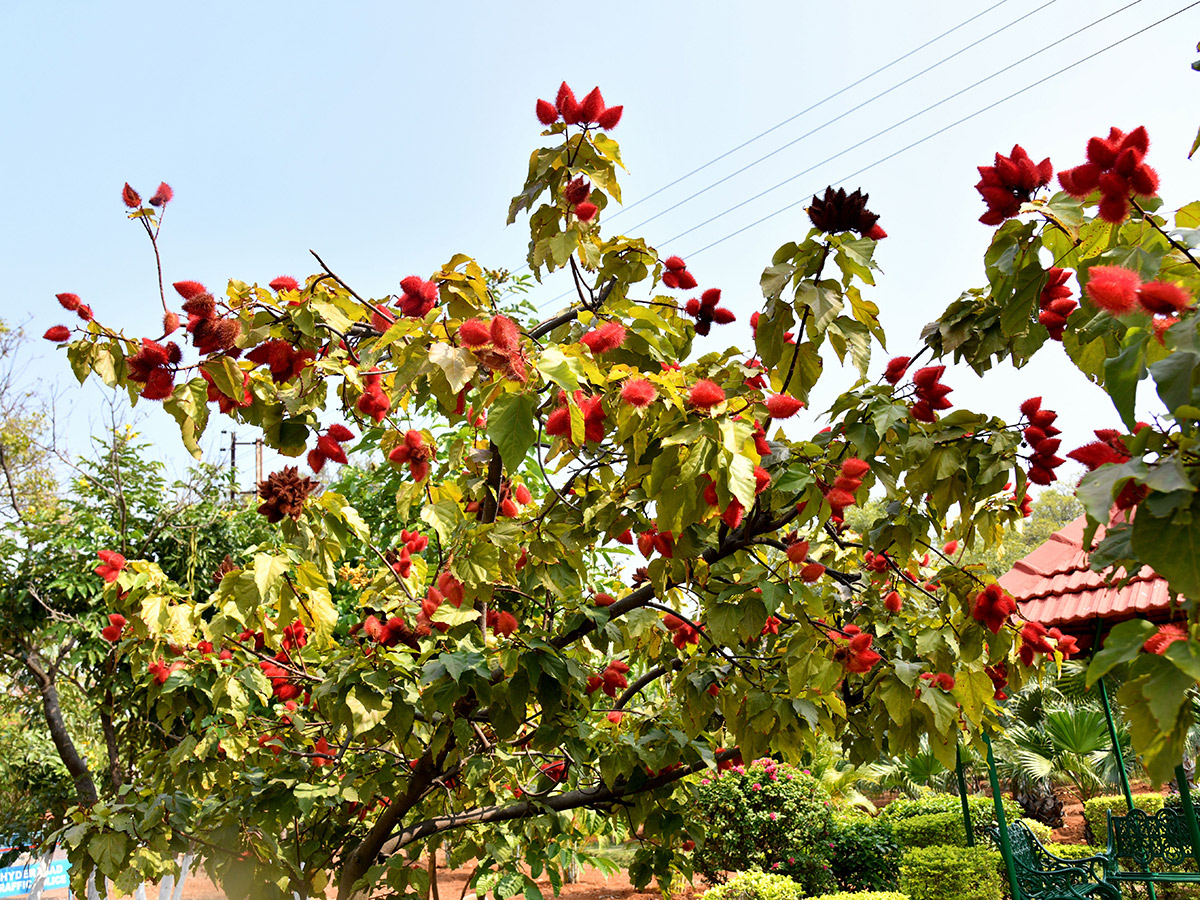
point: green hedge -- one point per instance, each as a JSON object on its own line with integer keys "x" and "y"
{"x": 756, "y": 886}
{"x": 932, "y": 829}
{"x": 863, "y": 895}
{"x": 983, "y": 810}
{"x": 1071, "y": 851}
{"x": 1096, "y": 809}
{"x": 1040, "y": 830}
{"x": 951, "y": 873}
{"x": 863, "y": 854}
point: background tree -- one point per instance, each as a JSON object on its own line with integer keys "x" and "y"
{"x": 481, "y": 663}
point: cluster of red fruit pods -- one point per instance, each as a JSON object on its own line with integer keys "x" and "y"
{"x": 683, "y": 632}
{"x": 576, "y": 193}
{"x": 329, "y": 447}
{"x": 1109, "y": 449}
{"x": 1120, "y": 291}
{"x": 415, "y": 452}
{"x": 1042, "y": 437}
{"x": 1055, "y": 302}
{"x": 611, "y": 679}
{"x": 849, "y": 480}
{"x": 295, "y": 636}
{"x": 111, "y": 564}
{"x": 1034, "y": 640}
{"x": 1009, "y": 183}
{"x": 796, "y": 551}
{"x": 588, "y": 111}
{"x": 853, "y": 649}
{"x": 1116, "y": 167}
{"x": 558, "y": 423}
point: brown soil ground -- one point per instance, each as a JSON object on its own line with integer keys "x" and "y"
{"x": 592, "y": 885}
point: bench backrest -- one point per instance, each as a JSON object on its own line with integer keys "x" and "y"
{"x": 1152, "y": 841}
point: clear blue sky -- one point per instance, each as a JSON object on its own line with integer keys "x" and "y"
{"x": 389, "y": 136}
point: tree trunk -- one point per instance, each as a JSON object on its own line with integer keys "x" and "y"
{"x": 85, "y": 787}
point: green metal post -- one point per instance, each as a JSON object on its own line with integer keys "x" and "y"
{"x": 1112, "y": 728}
{"x": 1005, "y": 845}
{"x": 962, "y": 795}
{"x": 1189, "y": 811}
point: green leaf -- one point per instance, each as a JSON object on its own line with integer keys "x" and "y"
{"x": 510, "y": 427}
{"x": 452, "y": 615}
{"x": 1123, "y": 372}
{"x": 558, "y": 368}
{"x": 188, "y": 405}
{"x": 456, "y": 363}
{"x": 1173, "y": 377}
{"x": 1171, "y": 546}
{"x": 462, "y": 661}
{"x": 1123, "y": 643}
{"x": 226, "y": 375}
{"x": 268, "y": 570}
{"x": 367, "y": 708}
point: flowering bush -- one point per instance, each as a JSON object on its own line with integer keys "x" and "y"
{"x": 770, "y": 816}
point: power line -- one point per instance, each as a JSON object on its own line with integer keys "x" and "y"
{"x": 955, "y": 124}
{"x": 805, "y": 111}
{"x": 909, "y": 119}
{"x": 840, "y": 116}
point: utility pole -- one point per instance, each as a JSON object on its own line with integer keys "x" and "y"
{"x": 234, "y": 443}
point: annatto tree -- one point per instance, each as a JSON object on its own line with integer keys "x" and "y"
{"x": 339, "y": 706}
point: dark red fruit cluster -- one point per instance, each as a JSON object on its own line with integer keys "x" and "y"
{"x": 284, "y": 493}
{"x": 993, "y": 607}
{"x": 1108, "y": 448}
{"x": 853, "y": 649}
{"x": 211, "y": 333}
{"x": 705, "y": 311}
{"x": 1033, "y": 641}
{"x": 839, "y": 211}
{"x": 154, "y": 367}
{"x": 682, "y": 633}
{"x": 1009, "y": 183}
{"x": 576, "y": 193}
{"x": 1116, "y": 168}
{"x": 611, "y": 679}
{"x": 558, "y": 423}
{"x": 849, "y": 480}
{"x": 373, "y": 401}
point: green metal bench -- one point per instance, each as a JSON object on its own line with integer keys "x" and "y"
{"x": 1043, "y": 876}
{"x": 1150, "y": 848}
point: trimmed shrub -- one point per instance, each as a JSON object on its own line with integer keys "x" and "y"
{"x": 768, "y": 816}
{"x": 864, "y": 855}
{"x": 1040, "y": 830}
{"x": 863, "y": 895}
{"x": 951, "y": 873}
{"x": 931, "y": 830}
{"x": 1096, "y": 812}
{"x": 983, "y": 811}
{"x": 755, "y": 886}
{"x": 1070, "y": 851}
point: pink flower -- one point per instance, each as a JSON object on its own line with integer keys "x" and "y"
{"x": 775, "y": 816}
{"x": 756, "y": 786}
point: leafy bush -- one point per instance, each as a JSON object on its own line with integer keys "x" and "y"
{"x": 1040, "y": 830}
{"x": 865, "y": 855}
{"x": 931, "y": 830}
{"x": 1070, "y": 851}
{"x": 770, "y": 816}
{"x": 983, "y": 811}
{"x": 755, "y": 886}
{"x": 951, "y": 873}
{"x": 1095, "y": 811}
{"x": 863, "y": 895}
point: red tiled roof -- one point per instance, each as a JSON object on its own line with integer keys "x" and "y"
{"x": 1054, "y": 586}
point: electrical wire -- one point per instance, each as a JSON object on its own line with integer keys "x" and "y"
{"x": 1019, "y": 20}
{"x": 806, "y": 110}
{"x": 955, "y": 124}
{"x": 920, "y": 141}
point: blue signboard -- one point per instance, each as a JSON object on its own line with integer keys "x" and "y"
{"x": 18, "y": 880}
